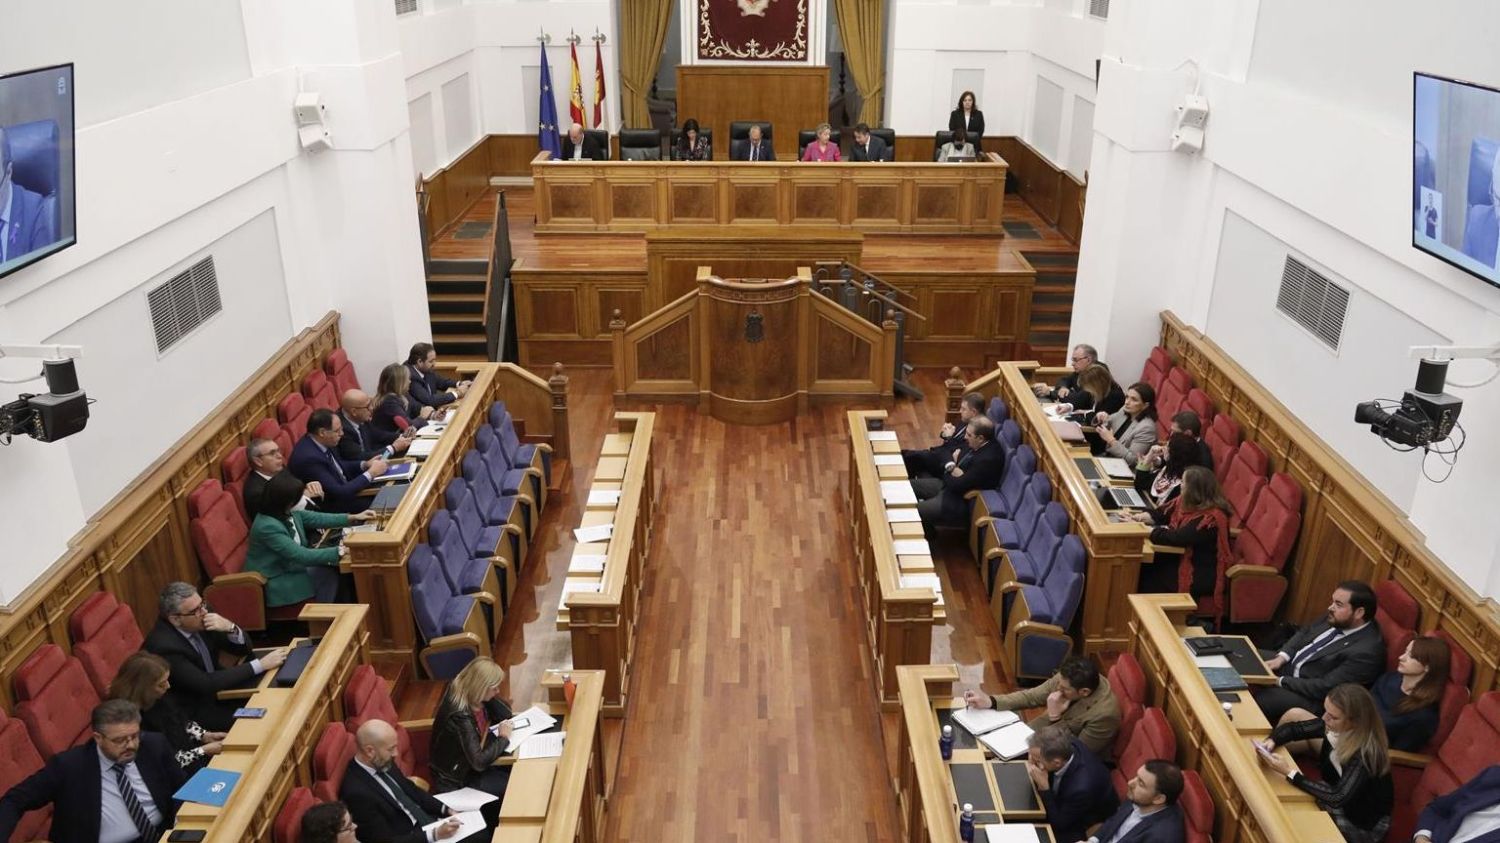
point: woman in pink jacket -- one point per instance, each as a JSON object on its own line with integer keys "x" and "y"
{"x": 822, "y": 149}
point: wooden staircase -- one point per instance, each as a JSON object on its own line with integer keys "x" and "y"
{"x": 455, "y": 301}
{"x": 1052, "y": 304}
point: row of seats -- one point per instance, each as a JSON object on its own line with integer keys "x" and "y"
{"x": 1145, "y": 734}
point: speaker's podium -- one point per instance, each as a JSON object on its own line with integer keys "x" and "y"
{"x": 755, "y": 351}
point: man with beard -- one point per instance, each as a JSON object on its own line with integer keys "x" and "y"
{"x": 1346, "y": 646}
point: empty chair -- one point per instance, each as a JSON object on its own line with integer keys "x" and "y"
{"x": 469, "y": 569}
{"x": 18, "y": 760}
{"x": 999, "y": 413}
{"x": 508, "y": 512}
{"x": 235, "y": 468}
{"x": 330, "y": 758}
{"x": 1255, "y": 579}
{"x": 1015, "y": 531}
{"x": 340, "y": 371}
{"x": 1128, "y": 682}
{"x": 1223, "y": 437}
{"x": 640, "y": 144}
{"x": 1009, "y": 437}
{"x": 1244, "y": 479}
{"x": 287, "y": 827}
{"x": 54, "y": 700}
{"x": 319, "y": 391}
{"x": 293, "y": 412}
{"x": 1197, "y": 808}
{"x": 1170, "y": 399}
{"x": 1152, "y": 738}
{"x": 1029, "y": 564}
{"x": 221, "y": 539}
{"x": 1396, "y": 614}
{"x": 104, "y": 633}
{"x": 1036, "y": 633}
{"x": 1002, "y": 501}
{"x": 527, "y": 455}
{"x": 1158, "y": 363}
{"x": 1198, "y": 401}
{"x": 452, "y": 626}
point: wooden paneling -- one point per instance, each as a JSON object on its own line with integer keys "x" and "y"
{"x": 969, "y": 314}
{"x": 674, "y": 255}
{"x": 459, "y": 185}
{"x": 1070, "y": 210}
{"x": 510, "y": 155}
{"x": 1349, "y": 528}
{"x": 1037, "y": 180}
{"x": 789, "y": 98}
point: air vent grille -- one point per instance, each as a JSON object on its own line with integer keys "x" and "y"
{"x": 1313, "y": 301}
{"x": 183, "y": 303}
{"x": 1099, "y": 8}
{"x": 405, "y": 7}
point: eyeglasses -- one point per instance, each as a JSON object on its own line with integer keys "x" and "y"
{"x": 202, "y": 609}
{"x": 122, "y": 740}
{"x": 1079, "y": 359}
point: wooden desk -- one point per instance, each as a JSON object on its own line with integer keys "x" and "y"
{"x": 561, "y": 800}
{"x": 898, "y": 619}
{"x": 601, "y": 624}
{"x": 295, "y": 717}
{"x": 639, "y": 196}
{"x": 1251, "y": 802}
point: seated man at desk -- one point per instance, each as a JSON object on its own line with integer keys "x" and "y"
{"x": 753, "y": 149}
{"x": 1073, "y": 783}
{"x": 1149, "y": 813}
{"x": 1346, "y": 646}
{"x": 941, "y": 500}
{"x": 267, "y": 461}
{"x": 868, "y": 147}
{"x": 428, "y": 388}
{"x": 1470, "y": 814}
{"x": 383, "y": 802}
{"x": 361, "y": 440}
{"x": 315, "y": 459}
{"x": 115, "y": 789}
{"x": 193, "y": 639}
{"x": 1076, "y": 697}
{"x": 929, "y": 462}
{"x": 578, "y": 146}
{"x": 1082, "y": 357}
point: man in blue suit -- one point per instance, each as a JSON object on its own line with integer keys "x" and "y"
{"x": 1470, "y": 814}
{"x": 1073, "y": 783}
{"x": 1482, "y": 229}
{"x": 1150, "y": 813}
{"x": 115, "y": 789}
{"x": 25, "y": 219}
{"x": 316, "y": 459}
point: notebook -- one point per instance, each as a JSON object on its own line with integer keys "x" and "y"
{"x": 421, "y": 448}
{"x": 400, "y": 471}
{"x": 296, "y": 662}
{"x": 1223, "y": 679}
{"x": 979, "y": 721}
{"x": 1116, "y": 467}
{"x": 1008, "y": 742}
{"x": 208, "y": 786}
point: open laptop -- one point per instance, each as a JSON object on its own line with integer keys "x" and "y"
{"x": 1120, "y": 497}
{"x": 961, "y": 159}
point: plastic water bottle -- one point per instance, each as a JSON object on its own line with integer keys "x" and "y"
{"x": 945, "y": 743}
{"x": 1229, "y": 710}
{"x": 966, "y": 824}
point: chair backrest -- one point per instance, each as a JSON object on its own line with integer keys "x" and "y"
{"x": 1223, "y": 437}
{"x": 938, "y": 139}
{"x": 1010, "y": 436}
{"x": 104, "y": 634}
{"x": 1174, "y": 390}
{"x": 293, "y": 412}
{"x": 1018, "y": 470}
{"x": 330, "y": 759}
{"x": 1158, "y": 363}
{"x": 887, "y": 135}
{"x": 1455, "y": 697}
{"x": 1397, "y": 614}
{"x": 640, "y": 144}
{"x": 319, "y": 391}
{"x": 236, "y": 465}
{"x": 1153, "y": 738}
{"x": 1128, "y": 682}
{"x": 1198, "y": 401}
{"x": 218, "y": 530}
{"x": 1461, "y": 664}
{"x": 1244, "y": 480}
{"x": 1197, "y": 808}
{"x": 998, "y": 412}
{"x": 18, "y": 760}
{"x": 269, "y": 429}
{"x": 55, "y": 699}
{"x": 1469, "y": 749}
{"x": 1271, "y": 527}
{"x": 1064, "y": 590}
{"x": 338, "y": 367}
{"x": 601, "y": 137}
{"x": 34, "y": 154}
{"x": 367, "y": 697}
{"x": 807, "y": 136}
{"x": 740, "y": 129}
{"x": 287, "y": 827}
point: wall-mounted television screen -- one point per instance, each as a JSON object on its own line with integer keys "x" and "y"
{"x": 37, "y": 208}
{"x": 1455, "y": 177}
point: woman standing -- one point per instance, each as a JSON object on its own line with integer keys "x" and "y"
{"x": 968, "y": 119}
{"x": 692, "y": 146}
{"x": 464, "y": 748}
{"x": 143, "y": 679}
{"x": 822, "y": 149}
{"x": 1198, "y": 522}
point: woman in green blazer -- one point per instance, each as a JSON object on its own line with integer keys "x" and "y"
{"x": 281, "y": 548}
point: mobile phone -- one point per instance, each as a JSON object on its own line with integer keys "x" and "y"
{"x": 186, "y": 835}
{"x": 520, "y": 722}
{"x": 249, "y": 713}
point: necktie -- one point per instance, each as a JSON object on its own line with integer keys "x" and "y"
{"x": 133, "y": 805}
{"x": 202, "y": 648}
{"x": 338, "y": 470}
{"x": 409, "y": 805}
{"x": 753, "y": 150}
{"x": 1313, "y": 649}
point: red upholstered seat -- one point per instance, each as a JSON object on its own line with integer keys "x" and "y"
{"x": 55, "y": 700}
{"x": 293, "y": 412}
{"x": 1256, "y": 583}
{"x": 1469, "y": 749}
{"x": 235, "y": 468}
{"x": 221, "y": 539}
{"x": 1461, "y": 664}
{"x": 367, "y": 697}
{"x": 288, "y": 825}
{"x": 330, "y": 759}
{"x": 319, "y": 391}
{"x": 1198, "y": 401}
{"x": 269, "y": 429}
{"x": 104, "y": 633}
{"x": 1223, "y": 437}
{"x": 340, "y": 371}
{"x": 1197, "y": 808}
{"x": 1170, "y": 398}
{"x": 18, "y": 760}
{"x": 1245, "y": 478}
{"x": 1397, "y": 614}
{"x": 1153, "y": 738}
{"x": 1157, "y": 365}
{"x": 1128, "y": 682}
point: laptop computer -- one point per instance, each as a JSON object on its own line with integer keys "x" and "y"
{"x": 1118, "y": 497}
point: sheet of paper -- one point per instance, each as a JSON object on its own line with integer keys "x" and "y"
{"x": 539, "y": 721}
{"x": 361, "y": 528}
{"x": 881, "y": 435}
{"x": 912, "y": 547}
{"x": 421, "y": 448}
{"x": 1212, "y": 661}
{"x": 1010, "y": 833}
{"x": 603, "y": 497}
{"x": 902, "y": 515}
{"x": 1115, "y": 467}
{"x": 432, "y": 431}
{"x": 978, "y": 721}
{"x": 897, "y": 492}
{"x": 547, "y": 745}
{"x": 1008, "y": 742}
{"x": 465, "y": 799}
{"x": 596, "y": 533}
{"x": 924, "y": 581}
{"x": 889, "y": 459}
{"x": 471, "y": 822}
{"x": 586, "y": 563}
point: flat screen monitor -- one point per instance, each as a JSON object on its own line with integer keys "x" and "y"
{"x": 37, "y": 208}
{"x": 1455, "y": 183}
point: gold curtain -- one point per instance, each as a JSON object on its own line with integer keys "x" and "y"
{"x": 643, "y": 31}
{"x": 861, "y": 24}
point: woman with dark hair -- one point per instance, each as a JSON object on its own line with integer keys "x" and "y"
{"x": 283, "y": 546}
{"x": 1130, "y": 432}
{"x": 1353, "y": 757}
{"x": 1198, "y": 522}
{"x": 968, "y": 119}
{"x": 1408, "y": 697}
{"x": 692, "y": 146}
{"x": 1162, "y": 486}
{"x": 395, "y": 411}
{"x": 959, "y": 147}
{"x": 144, "y": 678}
{"x": 328, "y": 823}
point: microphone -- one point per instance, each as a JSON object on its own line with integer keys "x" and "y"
{"x": 402, "y": 424}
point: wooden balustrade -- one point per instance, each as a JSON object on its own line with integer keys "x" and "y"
{"x": 562, "y": 800}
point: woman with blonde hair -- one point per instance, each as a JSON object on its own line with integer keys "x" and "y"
{"x": 822, "y": 149}
{"x": 470, "y": 730}
{"x": 143, "y": 678}
{"x": 395, "y": 411}
{"x": 1354, "y": 759}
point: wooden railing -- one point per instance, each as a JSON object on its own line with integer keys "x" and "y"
{"x": 562, "y": 800}
{"x": 922, "y": 786}
{"x": 899, "y": 620}
{"x": 601, "y": 624}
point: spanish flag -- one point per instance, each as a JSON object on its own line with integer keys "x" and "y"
{"x": 598, "y": 85}
{"x": 575, "y": 97}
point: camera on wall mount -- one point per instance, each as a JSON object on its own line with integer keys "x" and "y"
{"x": 1426, "y": 416}
{"x": 61, "y": 411}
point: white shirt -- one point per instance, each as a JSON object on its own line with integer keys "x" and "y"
{"x": 1475, "y": 825}
{"x": 1135, "y": 818}
{"x": 115, "y": 824}
{"x": 235, "y": 637}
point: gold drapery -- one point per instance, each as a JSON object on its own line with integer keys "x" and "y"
{"x": 861, "y": 26}
{"x": 643, "y": 31}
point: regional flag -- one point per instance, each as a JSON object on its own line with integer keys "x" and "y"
{"x": 598, "y": 85}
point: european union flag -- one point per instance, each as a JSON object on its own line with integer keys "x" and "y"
{"x": 546, "y": 127}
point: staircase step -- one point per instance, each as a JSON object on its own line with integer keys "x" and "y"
{"x": 450, "y": 327}
{"x": 440, "y": 285}
{"x": 1063, "y": 308}
{"x": 458, "y": 266}
{"x": 1068, "y": 278}
{"x": 1051, "y": 297}
{"x": 463, "y": 347}
{"x": 456, "y": 304}
{"x": 1051, "y": 259}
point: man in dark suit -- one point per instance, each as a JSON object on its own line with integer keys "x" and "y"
{"x": 383, "y": 802}
{"x": 1187, "y": 422}
{"x": 754, "y": 149}
{"x": 194, "y": 640}
{"x": 1082, "y": 357}
{"x": 25, "y": 217}
{"x": 941, "y": 499}
{"x": 867, "y": 147}
{"x": 1470, "y": 814}
{"x": 267, "y": 461}
{"x": 1346, "y": 646}
{"x": 1074, "y": 784}
{"x": 316, "y": 459}
{"x": 116, "y": 789}
{"x": 362, "y": 441}
{"x": 1149, "y": 813}
{"x": 579, "y": 146}
{"x": 929, "y": 462}
{"x": 428, "y": 388}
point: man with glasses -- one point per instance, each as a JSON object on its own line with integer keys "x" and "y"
{"x": 116, "y": 789}
{"x": 1082, "y": 357}
{"x": 267, "y": 461}
{"x": 193, "y": 639}
{"x": 361, "y": 440}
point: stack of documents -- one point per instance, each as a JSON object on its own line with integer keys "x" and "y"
{"x": 902, "y": 515}
{"x": 421, "y": 449}
{"x": 537, "y": 720}
{"x": 604, "y": 497}
{"x": 1011, "y": 833}
{"x": 596, "y": 533}
{"x": 1007, "y": 742}
{"x": 545, "y": 745}
{"x": 897, "y": 492}
{"x": 924, "y": 581}
{"x": 912, "y": 547}
{"x": 881, "y": 435}
{"x": 980, "y": 721}
{"x": 586, "y": 563}
{"x": 470, "y": 822}
{"x": 465, "y": 799}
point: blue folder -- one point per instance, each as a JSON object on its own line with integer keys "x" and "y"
{"x": 208, "y": 786}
